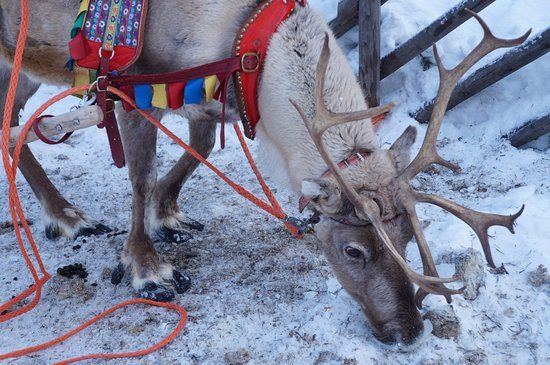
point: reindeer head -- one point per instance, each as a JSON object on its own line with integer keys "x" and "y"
{"x": 369, "y": 209}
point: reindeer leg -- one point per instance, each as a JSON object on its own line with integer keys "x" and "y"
{"x": 152, "y": 278}
{"x": 166, "y": 218}
{"x": 61, "y": 218}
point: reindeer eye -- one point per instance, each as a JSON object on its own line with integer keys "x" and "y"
{"x": 353, "y": 252}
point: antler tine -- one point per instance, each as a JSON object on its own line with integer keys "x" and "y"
{"x": 448, "y": 80}
{"x": 327, "y": 118}
{"x": 425, "y": 253}
{"x": 316, "y": 134}
{"x": 500, "y": 42}
{"x": 324, "y": 119}
{"x": 430, "y": 284}
{"x": 478, "y": 221}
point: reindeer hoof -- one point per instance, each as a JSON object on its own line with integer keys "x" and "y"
{"x": 98, "y": 230}
{"x": 157, "y": 292}
{"x": 181, "y": 282}
{"x": 193, "y": 224}
{"x": 171, "y": 235}
{"x": 53, "y": 231}
{"x": 118, "y": 274}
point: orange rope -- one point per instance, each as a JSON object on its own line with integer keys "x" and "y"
{"x": 274, "y": 209}
{"x": 18, "y": 216}
{"x": 106, "y": 313}
{"x": 267, "y": 191}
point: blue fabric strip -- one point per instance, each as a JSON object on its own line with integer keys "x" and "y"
{"x": 144, "y": 96}
{"x": 193, "y": 91}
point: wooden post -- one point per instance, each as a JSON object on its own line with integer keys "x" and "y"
{"x": 429, "y": 36}
{"x": 51, "y": 126}
{"x": 488, "y": 75}
{"x": 530, "y": 131}
{"x": 369, "y": 50}
{"x": 347, "y": 17}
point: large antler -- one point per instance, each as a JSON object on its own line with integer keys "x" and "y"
{"x": 366, "y": 208}
{"x": 428, "y": 155}
{"x": 448, "y": 80}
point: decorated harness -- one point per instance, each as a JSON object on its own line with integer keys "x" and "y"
{"x": 107, "y": 38}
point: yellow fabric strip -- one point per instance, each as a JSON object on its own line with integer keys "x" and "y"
{"x": 160, "y": 99}
{"x": 210, "y": 83}
{"x": 83, "y": 6}
{"x": 81, "y": 77}
{"x": 112, "y": 25}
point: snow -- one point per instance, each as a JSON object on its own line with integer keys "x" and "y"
{"x": 329, "y": 8}
{"x": 275, "y": 299}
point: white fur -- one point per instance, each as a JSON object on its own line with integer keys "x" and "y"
{"x": 174, "y": 221}
{"x": 64, "y": 228}
{"x": 160, "y": 276}
{"x": 290, "y": 76}
{"x": 310, "y": 189}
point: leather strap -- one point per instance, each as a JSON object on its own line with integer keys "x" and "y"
{"x": 108, "y": 107}
{"x": 220, "y": 68}
{"x": 42, "y": 137}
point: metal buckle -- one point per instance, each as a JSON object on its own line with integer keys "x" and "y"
{"x": 101, "y": 53}
{"x": 303, "y": 226}
{"x": 95, "y": 84}
{"x": 250, "y": 70}
{"x": 89, "y": 98}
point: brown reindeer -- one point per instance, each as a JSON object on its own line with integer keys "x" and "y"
{"x": 368, "y": 210}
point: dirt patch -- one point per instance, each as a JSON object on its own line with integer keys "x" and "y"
{"x": 445, "y": 323}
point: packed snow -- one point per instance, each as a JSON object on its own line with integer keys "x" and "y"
{"x": 261, "y": 297}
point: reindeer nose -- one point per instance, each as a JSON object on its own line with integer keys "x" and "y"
{"x": 410, "y": 334}
{"x": 400, "y": 332}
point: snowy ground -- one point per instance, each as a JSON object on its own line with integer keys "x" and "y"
{"x": 262, "y": 296}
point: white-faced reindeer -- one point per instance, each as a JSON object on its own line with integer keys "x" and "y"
{"x": 368, "y": 209}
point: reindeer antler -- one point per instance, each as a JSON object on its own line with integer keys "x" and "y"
{"x": 428, "y": 155}
{"x": 448, "y": 80}
{"x": 366, "y": 208}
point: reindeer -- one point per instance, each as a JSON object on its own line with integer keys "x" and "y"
{"x": 308, "y": 98}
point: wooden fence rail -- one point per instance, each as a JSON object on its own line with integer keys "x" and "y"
{"x": 348, "y": 17}
{"x": 530, "y": 131}
{"x": 430, "y": 35}
{"x": 369, "y": 50}
{"x": 488, "y": 75}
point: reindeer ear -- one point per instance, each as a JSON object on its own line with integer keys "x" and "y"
{"x": 401, "y": 149}
{"x": 324, "y": 194}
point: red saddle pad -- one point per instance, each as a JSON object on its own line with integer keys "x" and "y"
{"x": 108, "y": 24}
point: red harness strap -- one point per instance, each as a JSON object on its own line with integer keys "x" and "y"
{"x": 253, "y": 40}
{"x": 222, "y": 69}
{"x": 107, "y": 105}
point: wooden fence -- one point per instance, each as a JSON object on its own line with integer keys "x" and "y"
{"x": 366, "y": 14}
